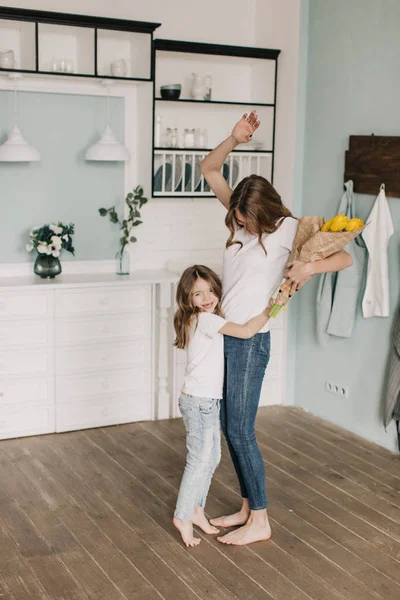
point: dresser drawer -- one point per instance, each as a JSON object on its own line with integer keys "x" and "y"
{"x": 104, "y": 383}
{"x": 103, "y": 328}
{"x": 70, "y": 303}
{"x": 101, "y": 357}
{"x": 26, "y": 333}
{"x": 30, "y": 390}
{"x": 25, "y": 305}
{"x": 24, "y": 419}
{"x": 94, "y": 412}
{"x": 26, "y": 362}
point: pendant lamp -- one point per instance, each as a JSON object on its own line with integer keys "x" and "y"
{"x": 16, "y": 148}
{"x": 107, "y": 148}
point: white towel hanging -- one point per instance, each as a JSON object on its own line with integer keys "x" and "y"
{"x": 376, "y": 236}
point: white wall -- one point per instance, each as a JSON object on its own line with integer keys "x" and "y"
{"x": 194, "y": 229}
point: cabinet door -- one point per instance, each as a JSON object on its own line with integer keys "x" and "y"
{"x": 26, "y": 419}
{"x": 96, "y": 358}
{"x": 99, "y": 412}
{"x": 103, "y": 383}
{"x": 36, "y": 362}
{"x": 103, "y": 300}
{"x": 103, "y": 329}
{"x": 25, "y": 305}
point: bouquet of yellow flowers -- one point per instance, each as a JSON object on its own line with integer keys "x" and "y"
{"x": 316, "y": 240}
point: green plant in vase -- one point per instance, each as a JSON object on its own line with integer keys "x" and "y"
{"x": 49, "y": 241}
{"x": 134, "y": 202}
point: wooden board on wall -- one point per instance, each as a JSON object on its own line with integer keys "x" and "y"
{"x": 372, "y": 160}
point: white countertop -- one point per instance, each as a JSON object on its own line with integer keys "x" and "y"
{"x": 73, "y": 280}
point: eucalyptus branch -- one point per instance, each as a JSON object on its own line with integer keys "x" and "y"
{"x": 134, "y": 201}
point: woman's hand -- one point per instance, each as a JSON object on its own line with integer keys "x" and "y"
{"x": 297, "y": 274}
{"x": 244, "y": 129}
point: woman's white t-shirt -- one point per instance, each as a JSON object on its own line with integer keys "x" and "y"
{"x": 204, "y": 375}
{"x": 250, "y": 277}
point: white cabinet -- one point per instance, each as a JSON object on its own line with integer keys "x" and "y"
{"x": 26, "y": 363}
{"x": 74, "y": 356}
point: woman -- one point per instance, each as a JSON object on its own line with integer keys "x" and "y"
{"x": 261, "y": 236}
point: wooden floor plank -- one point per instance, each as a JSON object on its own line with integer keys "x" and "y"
{"x": 87, "y": 515}
{"x": 208, "y": 556}
{"x": 293, "y": 441}
{"x": 86, "y": 493}
{"x": 367, "y": 452}
{"x": 340, "y": 557}
{"x": 303, "y": 577}
{"x": 59, "y": 539}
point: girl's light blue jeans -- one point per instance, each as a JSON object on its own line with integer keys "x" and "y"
{"x": 203, "y": 443}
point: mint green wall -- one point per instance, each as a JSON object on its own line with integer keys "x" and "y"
{"x": 353, "y": 87}
{"x": 62, "y": 186}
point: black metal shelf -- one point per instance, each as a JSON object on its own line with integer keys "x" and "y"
{"x": 157, "y": 99}
{"x": 62, "y": 74}
{"x": 97, "y": 24}
{"x": 189, "y": 150}
{"x": 215, "y": 49}
{"x": 72, "y": 20}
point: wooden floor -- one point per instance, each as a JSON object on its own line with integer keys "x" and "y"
{"x": 88, "y": 515}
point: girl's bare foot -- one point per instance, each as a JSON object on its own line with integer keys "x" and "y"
{"x": 239, "y": 518}
{"x": 200, "y": 519}
{"x": 185, "y": 528}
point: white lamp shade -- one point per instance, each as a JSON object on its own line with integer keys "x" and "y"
{"x": 107, "y": 148}
{"x": 17, "y": 149}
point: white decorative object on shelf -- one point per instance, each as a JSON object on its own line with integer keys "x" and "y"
{"x": 107, "y": 148}
{"x": 16, "y": 148}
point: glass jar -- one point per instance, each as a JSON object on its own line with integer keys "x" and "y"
{"x": 174, "y": 138}
{"x": 208, "y": 85}
{"x": 189, "y": 138}
{"x": 123, "y": 261}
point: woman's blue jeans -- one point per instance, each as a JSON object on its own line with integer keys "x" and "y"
{"x": 245, "y": 365}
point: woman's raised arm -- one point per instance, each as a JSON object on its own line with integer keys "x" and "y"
{"x": 211, "y": 165}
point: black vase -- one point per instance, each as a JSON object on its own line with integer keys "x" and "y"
{"x": 47, "y": 266}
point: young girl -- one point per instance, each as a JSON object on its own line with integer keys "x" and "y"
{"x": 199, "y": 325}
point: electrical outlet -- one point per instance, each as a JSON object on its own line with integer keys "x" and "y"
{"x": 338, "y": 390}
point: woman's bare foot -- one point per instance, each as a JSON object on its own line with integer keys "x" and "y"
{"x": 255, "y": 530}
{"x": 185, "y": 528}
{"x": 200, "y": 519}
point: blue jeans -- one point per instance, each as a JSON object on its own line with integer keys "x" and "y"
{"x": 245, "y": 365}
{"x": 203, "y": 443}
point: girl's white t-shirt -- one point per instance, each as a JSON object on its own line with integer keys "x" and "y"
{"x": 250, "y": 277}
{"x": 204, "y": 375}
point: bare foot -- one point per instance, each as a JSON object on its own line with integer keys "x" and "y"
{"x": 185, "y": 528}
{"x": 239, "y": 518}
{"x": 249, "y": 533}
{"x": 200, "y": 519}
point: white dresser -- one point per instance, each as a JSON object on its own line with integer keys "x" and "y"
{"x": 83, "y": 351}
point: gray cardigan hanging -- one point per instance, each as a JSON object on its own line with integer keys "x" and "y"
{"x": 392, "y": 403}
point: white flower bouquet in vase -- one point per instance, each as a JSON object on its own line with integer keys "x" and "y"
{"x": 49, "y": 241}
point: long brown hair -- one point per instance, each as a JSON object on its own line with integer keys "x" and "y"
{"x": 186, "y": 310}
{"x": 260, "y": 204}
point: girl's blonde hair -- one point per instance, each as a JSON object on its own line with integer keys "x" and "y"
{"x": 186, "y": 310}
{"x": 260, "y": 204}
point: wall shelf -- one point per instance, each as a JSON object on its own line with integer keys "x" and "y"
{"x": 214, "y": 102}
{"x": 241, "y": 77}
{"x": 53, "y": 43}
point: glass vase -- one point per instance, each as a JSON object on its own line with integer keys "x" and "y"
{"x": 123, "y": 261}
{"x": 47, "y": 266}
